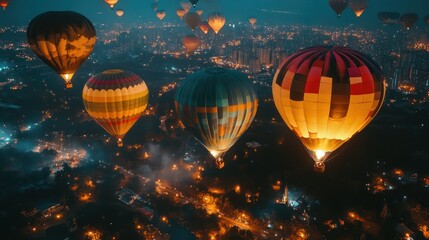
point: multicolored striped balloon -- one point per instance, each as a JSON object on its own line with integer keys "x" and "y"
{"x": 115, "y": 99}
{"x": 326, "y": 95}
{"x": 217, "y": 105}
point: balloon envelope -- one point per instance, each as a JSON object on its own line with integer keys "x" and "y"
{"x": 325, "y": 95}
{"x": 252, "y": 21}
{"x": 338, "y": 5}
{"x": 199, "y": 12}
{"x": 358, "y": 6}
{"x": 409, "y": 19}
{"x": 204, "y": 26}
{"x": 192, "y": 19}
{"x": 181, "y": 12}
{"x": 116, "y": 99}
{"x": 4, "y": 4}
{"x": 194, "y": 2}
{"x": 62, "y": 40}
{"x": 160, "y": 14}
{"x": 217, "y": 105}
{"x": 120, "y": 12}
{"x": 389, "y": 17}
{"x": 186, "y": 5}
{"x": 191, "y": 43}
{"x": 111, "y": 3}
{"x": 216, "y": 21}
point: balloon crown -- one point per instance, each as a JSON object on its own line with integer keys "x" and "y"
{"x": 215, "y": 70}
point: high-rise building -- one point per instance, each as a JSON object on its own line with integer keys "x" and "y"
{"x": 415, "y": 68}
{"x": 285, "y": 195}
{"x": 265, "y": 56}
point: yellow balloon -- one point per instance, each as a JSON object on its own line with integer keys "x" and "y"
{"x": 325, "y": 95}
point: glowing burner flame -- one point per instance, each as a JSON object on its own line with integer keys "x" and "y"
{"x": 320, "y": 154}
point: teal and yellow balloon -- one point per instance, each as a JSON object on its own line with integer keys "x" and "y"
{"x": 116, "y": 99}
{"x": 217, "y": 105}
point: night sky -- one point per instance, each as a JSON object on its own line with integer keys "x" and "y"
{"x": 314, "y": 12}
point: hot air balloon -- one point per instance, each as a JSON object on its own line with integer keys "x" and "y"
{"x": 427, "y": 20}
{"x": 120, "y": 12}
{"x": 111, "y": 3}
{"x": 116, "y": 99}
{"x": 217, "y": 105}
{"x": 4, "y": 4}
{"x": 389, "y": 17}
{"x": 154, "y": 6}
{"x": 216, "y": 21}
{"x": 186, "y": 6}
{"x": 194, "y": 2}
{"x": 358, "y": 6}
{"x": 181, "y": 12}
{"x": 338, "y": 5}
{"x": 62, "y": 40}
{"x": 199, "y": 12}
{"x": 191, "y": 43}
{"x": 160, "y": 14}
{"x": 409, "y": 19}
{"x": 253, "y": 21}
{"x": 192, "y": 19}
{"x": 326, "y": 95}
{"x": 204, "y": 26}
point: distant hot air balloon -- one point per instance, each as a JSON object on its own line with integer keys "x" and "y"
{"x": 181, "y": 12}
{"x": 253, "y": 21}
{"x": 4, "y": 4}
{"x": 154, "y": 6}
{"x": 116, "y": 99}
{"x": 194, "y": 2}
{"x": 358, "y": 6}
{"x": 389, "y": 17}
{"x": 326, "y": 95}
{"x": 338, "y": 5}
{"x": 204, "y": 26}
{"x": 216, "y": 21}
{"x": 120, "y": 12}
{"x": 191, "y": 43}
{"x": 160, "y": 14}
{"x": 427, "y": 20}
{"x": 186, "y": 6}
{"x": 62, "y": 40}
{"x": 111, "y": 3}
{"x": 217, "y": 105}
{"x": 409, "y": 19}
{"x": 192, "y": 19}
{"x": 199, "y": 12}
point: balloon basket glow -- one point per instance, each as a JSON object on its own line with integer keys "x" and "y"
{"x": 120, "y": 143}
{"x": 69, "y": 85}
{"x": 218, "y": 155}
{"x": 67, "y": 77}
{"x": 319, "y": 167}
{"x": 220, "y": 163}
{"x": 319, "y": 157}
